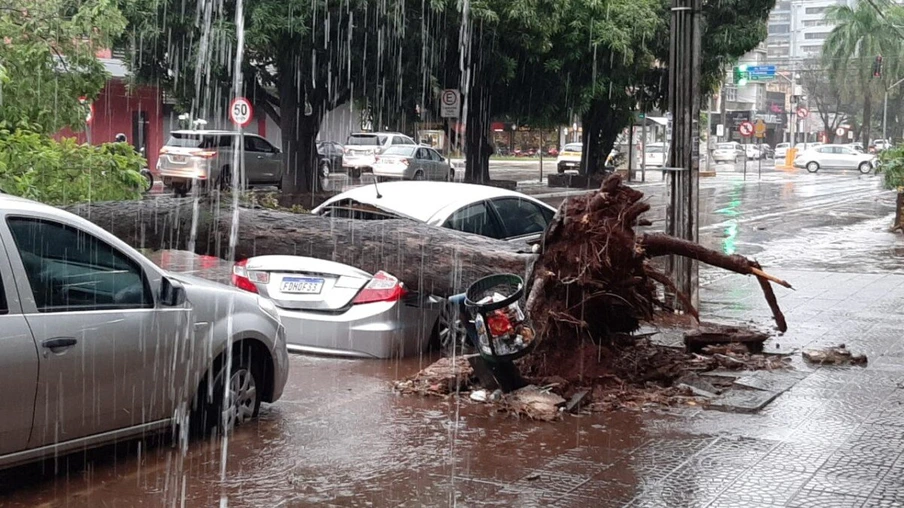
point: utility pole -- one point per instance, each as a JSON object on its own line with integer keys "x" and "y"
{"x": 793, "y": 113}
{"x": 885, "y": 107}
{"x": 684, "y": 155}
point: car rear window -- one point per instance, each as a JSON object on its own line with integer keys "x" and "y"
{"x": 186, "y": 140}
{"x": 358, "y": 140}
{"x": 351, "y": 209}
{"x": 725, "y": 146}
{"x": 573, "y": 147}
{"x": 406, "y": 151}
{"x": 655, "y": 149}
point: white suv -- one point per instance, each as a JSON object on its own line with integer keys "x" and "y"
{"x": 362, "y": 149}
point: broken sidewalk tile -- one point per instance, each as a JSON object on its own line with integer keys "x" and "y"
{"x": 742, "y": 401}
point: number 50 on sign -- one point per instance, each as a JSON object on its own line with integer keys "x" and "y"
{"x": 240, "y": 111}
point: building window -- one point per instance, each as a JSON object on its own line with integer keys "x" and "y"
{"x": 783, "y": 6}
{"x": 778, "y": 52}
{"x": 731, "y": 93}
{"x": 779, "y": 17}
{"x": 815, "y": 22}
{"x": 815, "y": 10}
{"x": 779, "y": 29}
{"x": 817, "y": 36}
{"x": 811, "y": 49}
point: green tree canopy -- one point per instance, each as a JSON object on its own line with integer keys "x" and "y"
{"x": 48, "y": 61}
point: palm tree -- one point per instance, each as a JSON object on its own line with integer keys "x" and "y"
{"x": 861, "y": 34}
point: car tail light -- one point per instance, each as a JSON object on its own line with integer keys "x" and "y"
{"x": 406, "y": 161}
{"x": 206, "y": 154}
{"x": 245, "y": 279}
{"x": 382, "y": 288}
{"x": 163, "y": 151}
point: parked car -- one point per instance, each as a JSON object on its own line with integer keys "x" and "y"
{"x": 206, "y": 157}
{"x": 413, "y": 163}
{"x": 781, "y": 150}
{"x": 332, "y": 308}
{"x": 330, "y": 156}
{"x": 98, "y": 344}
{"x": 752, "y": 152}
{"x": 766, "y": 151}
{"x": 858, "y": 147}
{"x": 835, "y": 157}
{"x": 880, "y": 144}
{"x": 362, "y": 149}
{"x": 478, "y": 209}
{"x": 570, "y": 157}
{"x": 729, "y": 152}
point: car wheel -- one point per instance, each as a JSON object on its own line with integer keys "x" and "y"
{"x": 243, "y": 398}
{"x": 180, "y": 189}
{"x": 812, "y": 166}
{"x": 150, "y": 180}
{"x": 419, "y": 176}
{"x": 448, "y": 334}
{"x": 224, "y": 180}
{"x": 324, "y": 169}
{"x": 561, "y": 169}
{"x": 864, "y": 167}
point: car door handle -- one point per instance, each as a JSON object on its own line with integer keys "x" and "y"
{"x": 59, "y": 343}
{"x": 260, "y": 156}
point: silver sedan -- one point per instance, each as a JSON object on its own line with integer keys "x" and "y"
{"x": 98, "y": 344}
{"x": 413, "y": 163}
{"x": 335, "y": 309}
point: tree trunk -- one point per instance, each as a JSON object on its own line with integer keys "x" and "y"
{"x": 867, "y": 117}
{"x": 434, "y": 260}
{"x": 299, "y": 133}
{"x": 590, "y": 125}
{"x": 899, "y": 212}
{"x": 477, "y": 127}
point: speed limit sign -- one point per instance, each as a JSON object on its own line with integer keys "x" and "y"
{"x": 240, "y": 111}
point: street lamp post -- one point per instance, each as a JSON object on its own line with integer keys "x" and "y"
{"x": 793, "y": 114}
{"x": 885, "y": 107}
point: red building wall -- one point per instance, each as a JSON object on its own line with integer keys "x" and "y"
{"x": 114, "y": 112}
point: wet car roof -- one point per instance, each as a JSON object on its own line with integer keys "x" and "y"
{"x": 420, "y": 201}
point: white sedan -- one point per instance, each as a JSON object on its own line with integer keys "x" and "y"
{"x": 835, "y": 157}
{"x": 478, "y": 209}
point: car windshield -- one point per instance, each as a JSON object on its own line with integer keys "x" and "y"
{"x": 365, "y": 140}
{"x": 725, "y": 146}
{"x": 406, "y": 151}
{"x": 573, "y": 147}
{"x": 655, "y": 149}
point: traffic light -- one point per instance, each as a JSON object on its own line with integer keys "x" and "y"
{"x": 877, "y": 67}
{"x": 740, "y": 75}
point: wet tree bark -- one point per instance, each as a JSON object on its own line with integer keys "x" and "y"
{"x": 427, "y": 258}
{"x": 299, "y": 130}
{"x": 477, "y": 119}
{"x": 899, "y": 212}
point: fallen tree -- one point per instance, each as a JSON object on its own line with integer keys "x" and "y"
{"x": 592, "y": 276}
{"x": 435, "y": 260}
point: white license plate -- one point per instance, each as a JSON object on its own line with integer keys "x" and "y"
{"x": 178, "y": 158}
{"x": 301, "y": 285}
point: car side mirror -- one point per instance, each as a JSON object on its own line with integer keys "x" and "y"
{"x": 172, "y": 293}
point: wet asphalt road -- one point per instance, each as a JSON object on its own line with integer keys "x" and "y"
{"x": 340, "y": 437}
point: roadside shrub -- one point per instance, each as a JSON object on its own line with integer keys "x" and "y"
{"x": 892, "y": 163}
{"x": 63, "y": 172}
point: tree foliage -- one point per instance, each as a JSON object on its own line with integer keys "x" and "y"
{"x": 35, "y": 166}
{"x": 861, "y": 34}
{"x": 48, "y": 61}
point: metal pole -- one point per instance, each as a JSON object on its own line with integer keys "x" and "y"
{"x": 709, "y": 130}
{"x": 759, "y": 171}
{"x": 684, "y": 155}
{"x": 793, "y": 109}
{"x": 541, "y": 155}
{"x": 884, "y": 115}
{"x": 643, "y": 161}
{"x": 630, "y": 149}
